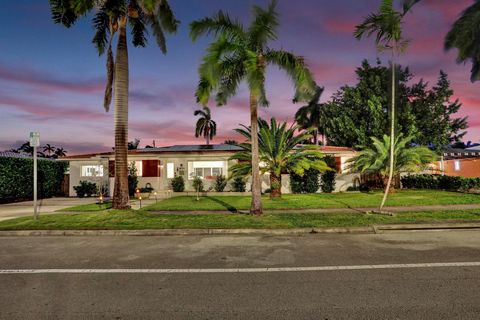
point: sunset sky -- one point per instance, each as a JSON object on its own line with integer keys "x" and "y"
{"x": 52, "y": 79}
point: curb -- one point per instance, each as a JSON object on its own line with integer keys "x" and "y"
{"x": 297, "y": 231}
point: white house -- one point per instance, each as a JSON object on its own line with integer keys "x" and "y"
{"x": 157, "y": 166}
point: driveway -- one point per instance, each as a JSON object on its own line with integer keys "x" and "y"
{"x": 45, "y": 206}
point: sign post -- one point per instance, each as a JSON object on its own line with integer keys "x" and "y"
{"x": 35, "y": 142}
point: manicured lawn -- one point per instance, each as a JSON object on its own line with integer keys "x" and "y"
{"x": 88, "y": 207}
{"x": 316, "y": 201}
{"x": 131, "y": 220}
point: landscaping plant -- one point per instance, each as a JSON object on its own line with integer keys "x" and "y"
{"x": 238, "y": 184}
{"x": 328, "y": 177}
{"x": 220, "y": 183}
{"x": 178, "y": 184}
{"x": 86, "y": 189}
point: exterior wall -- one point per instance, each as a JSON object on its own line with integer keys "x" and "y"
{"x": 469, "y": 167}
{"x": 76, "y": 174}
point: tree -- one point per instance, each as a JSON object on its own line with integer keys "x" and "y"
{"x": 205, "y": 126}
{"x": 25, "y": 147}
{"x": 278, "y": 153}
{"x": 133, "y": 145}
{"x": 387, "y": 25}
{"x": 376, "y": 158}
{"x": 310, "y": 117}
{"x": 60, "y": 152}
{"x": 356, "y": 113}
{"x": 465, "y": 36}
{"x": 49, "y": 149}
{"x": 240, "y": 53}
{"x": 112, "y": 17}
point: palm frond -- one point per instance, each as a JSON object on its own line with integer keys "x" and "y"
{"x": 263, "y": 27}
{"x": 220, "y": 23}
{"x": 63, "y": 12}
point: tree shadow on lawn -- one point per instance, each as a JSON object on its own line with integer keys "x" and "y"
{"x": 227, "y": 206}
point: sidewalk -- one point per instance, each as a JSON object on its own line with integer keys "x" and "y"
{"x": 336, "y": 210}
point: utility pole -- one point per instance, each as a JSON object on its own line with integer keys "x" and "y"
{"x": 35, "y": 142}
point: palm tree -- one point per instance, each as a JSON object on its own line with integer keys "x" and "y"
{"x": 49, "y": 149}
{"x": 375, "y": 159}
{"x": 205, "y": 127}
{"x": 387, "y": 25}
{"x": 310, "y": 117}
{"x": 239, "y": 54}
{"x": 60, "y": 152}
{"x": 278, "y": 153}
{"x": 465, "y": 36}
{"x": 113, "y": 17}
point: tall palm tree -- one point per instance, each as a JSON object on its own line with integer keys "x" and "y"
{"x": 387, "y": 25}
{"x": 205, "y": 126}
{"x": 278, "y": 153}
{"x": 376, "y": 158}
{"x": 240, "y": 53}
{"x": 465, "y": 36}
{"x": 60, "y": 152}
{"x": 49, "y": 149}
{"x": 310, "y": 117}
{"x": 113, "y": 17}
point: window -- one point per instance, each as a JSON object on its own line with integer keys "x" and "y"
{"x": 206, "y": 169}
{"x": 92, "y": 171}
{"x": 456, "y": 164}
{"x": 170, "y": 170}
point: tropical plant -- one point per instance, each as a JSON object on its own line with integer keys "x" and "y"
{"x": 49, "y": 149}
{"x": 220, "y": 183}
{"x": 387, "y": 25}
{"x": 205, "y": 126}
{"x": 112, "y": 18}
{"x": 133, "y": 145}
{"x": 328, "y": 177}
{"x": 86, "y": 189}
{"x": 178, "y": 184}
{"x": 132, "y": 178}
{"x": 279, "y": 152}
{"x": 60, "y": 152}
{"x": 238, "y": 184}
{"x": 465, "y": 36}
{"x": 240, "y": 53}
{"x": 376, "y": 158}
{"x": 310, "y": 117}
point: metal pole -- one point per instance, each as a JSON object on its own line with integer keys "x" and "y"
{"x": 35, "y": 209}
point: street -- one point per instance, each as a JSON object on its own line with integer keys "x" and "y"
{"x": 167, "y": 277}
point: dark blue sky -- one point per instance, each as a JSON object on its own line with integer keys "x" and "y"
{"x": 52, "y": 80}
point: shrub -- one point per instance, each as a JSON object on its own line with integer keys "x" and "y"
{"x": 238, "y": 184}
{"x": 308, "y": 183}
{"x": 435, "y": 181}
{"x": 132, "y": 179}
{"x": 198, "y": 184}
{"x": 220, "y": 183}
{"x": 16, "y": 178}
{"x": 328, "y": 177}
{"x": 86, "y": 189}
{"x": 178, "y": 184}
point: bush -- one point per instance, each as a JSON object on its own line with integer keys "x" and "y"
{"x": 308, "y": 183}
{"x": 16, "y": 178}
{"x": 439, "y": 182}
{"x": 86, "y": 189}
{"x": 132, "y": 179}
{"x": 238, "y": 184}
{"x": 220, "y": 183}
{"x": 198, "y": 184}
{"x": 328, "y": 177}
{"x": 178, "y": 184}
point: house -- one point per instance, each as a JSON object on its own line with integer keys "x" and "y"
{"x": 460, "y": 162}
{"x": 157, "y": 166}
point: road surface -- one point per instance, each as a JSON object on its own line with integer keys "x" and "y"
{"x": 402, "y": 275}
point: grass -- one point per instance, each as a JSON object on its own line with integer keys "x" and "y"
{"x": 138, "y": 220}
{"x": 316, "y": 201}
{"x": 88, "y": 207}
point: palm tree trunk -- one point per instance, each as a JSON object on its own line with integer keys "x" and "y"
{"x": 120, "y": 194}
{"x": 256, "y": 207}
{"x": 392, "y": 138}
{"x": 207, "y": 135}
{"x": 275, "y": 185}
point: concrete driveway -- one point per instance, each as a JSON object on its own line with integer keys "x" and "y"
{"x": 45, "y": 206}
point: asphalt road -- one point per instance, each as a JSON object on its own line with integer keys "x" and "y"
{"x": 396, "y": 292}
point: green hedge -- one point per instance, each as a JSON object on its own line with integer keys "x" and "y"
{"x": 439, "y": 182}
{"x": 16, "y": 178}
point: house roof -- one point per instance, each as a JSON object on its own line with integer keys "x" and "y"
{"x": 191, "y": 148}
{"x": 10, "y": 154}
{"x": 450, "y": 152}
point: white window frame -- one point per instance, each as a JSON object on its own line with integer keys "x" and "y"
{"x": 207, "y": 168}
{"x": 92, "y": 170}
{"x": 170, "y": 170}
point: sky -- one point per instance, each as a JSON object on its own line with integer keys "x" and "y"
{"x": 52, "y": 79}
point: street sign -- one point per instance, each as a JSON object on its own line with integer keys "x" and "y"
{"x": 34, "y": 139}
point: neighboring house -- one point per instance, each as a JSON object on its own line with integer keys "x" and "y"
{"x": 157, "y": 166}
{"x": 460, "y": 162}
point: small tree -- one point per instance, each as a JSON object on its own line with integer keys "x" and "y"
{"x": 198, "y": 185}
{"x": 220, "y": 183}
